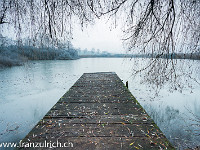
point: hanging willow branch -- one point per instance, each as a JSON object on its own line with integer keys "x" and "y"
{"x": 158, "y": 25}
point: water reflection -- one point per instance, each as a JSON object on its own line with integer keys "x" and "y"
{"x": 174, "y": 74}
{"x": 27, "y": 93}
{"x": 182, "y": 129}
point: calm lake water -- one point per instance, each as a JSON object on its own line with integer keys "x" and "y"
{"x": 28, "y": 92}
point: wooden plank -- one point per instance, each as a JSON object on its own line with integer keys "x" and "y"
{"x": 101, "y": 119}
{"x": 83, "y": 109}
{"x": 98, "y": 112}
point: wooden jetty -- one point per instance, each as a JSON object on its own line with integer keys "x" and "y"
{"x": 98, "y": 112}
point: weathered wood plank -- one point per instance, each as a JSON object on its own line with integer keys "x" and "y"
{"x": 120, "y": 129}
{"x": 104, "y": 119}
{"x": 91, "y": 109}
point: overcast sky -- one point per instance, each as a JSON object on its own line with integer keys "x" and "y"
{"x": 99, "y": 36}
{"x": 102, "y": 36}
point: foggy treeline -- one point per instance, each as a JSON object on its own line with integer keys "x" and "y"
{"x": 11, "y": 54}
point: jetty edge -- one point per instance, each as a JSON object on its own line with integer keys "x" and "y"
{"x": 97, "y": 112}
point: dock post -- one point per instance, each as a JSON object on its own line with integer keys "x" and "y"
{"x": 127, "y": 84}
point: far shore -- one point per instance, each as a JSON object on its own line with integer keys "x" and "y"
{"x": 9, "y": 62}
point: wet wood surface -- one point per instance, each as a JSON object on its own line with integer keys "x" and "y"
{"x": 98, "y": 112}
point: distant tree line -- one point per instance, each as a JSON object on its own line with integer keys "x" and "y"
{"x": 195, "y": 56}
{"x": 12, "y": 54}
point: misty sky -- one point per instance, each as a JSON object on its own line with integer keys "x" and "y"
{"x": 102, "y": 35}
{"x": 99, "y": 36}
